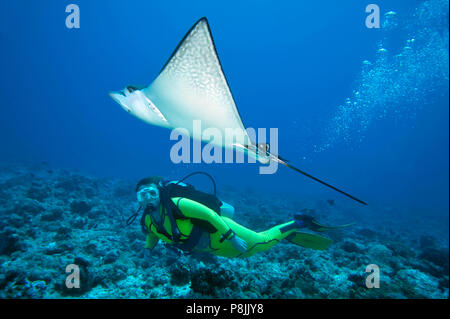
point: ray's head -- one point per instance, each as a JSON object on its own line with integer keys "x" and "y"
{"x": 128, "y": 98}
{"x": 134, "y": 100}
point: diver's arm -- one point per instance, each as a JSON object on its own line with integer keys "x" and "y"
{"x": 193, "y": 209}
{"x": 151, "y": 240}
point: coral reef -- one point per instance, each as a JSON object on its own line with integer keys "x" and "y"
{"x": 54, "y": 218}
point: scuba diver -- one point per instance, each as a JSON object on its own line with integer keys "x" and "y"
{"x": 194, "y": 221}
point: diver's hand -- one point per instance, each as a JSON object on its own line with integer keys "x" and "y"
{"x": 239, "y": 243}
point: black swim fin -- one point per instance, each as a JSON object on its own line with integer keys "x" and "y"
{"x": 315, "y": 226}
{"x": 311, "y": 241}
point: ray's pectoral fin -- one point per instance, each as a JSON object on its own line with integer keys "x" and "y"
{"x": 192, "y": 86}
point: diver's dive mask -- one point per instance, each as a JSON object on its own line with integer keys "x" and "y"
{"x": 148, "y": 195}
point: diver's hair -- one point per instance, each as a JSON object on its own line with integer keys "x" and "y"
{"x": 148, "y": 180}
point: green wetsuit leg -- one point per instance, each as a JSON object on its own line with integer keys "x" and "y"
{"x": 256, "y": 242}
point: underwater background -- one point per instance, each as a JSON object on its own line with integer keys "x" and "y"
{"x": 363, "y": 109}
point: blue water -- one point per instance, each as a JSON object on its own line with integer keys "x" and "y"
{"x": 289, "y": 66}
{"x": 377, "y": 129}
